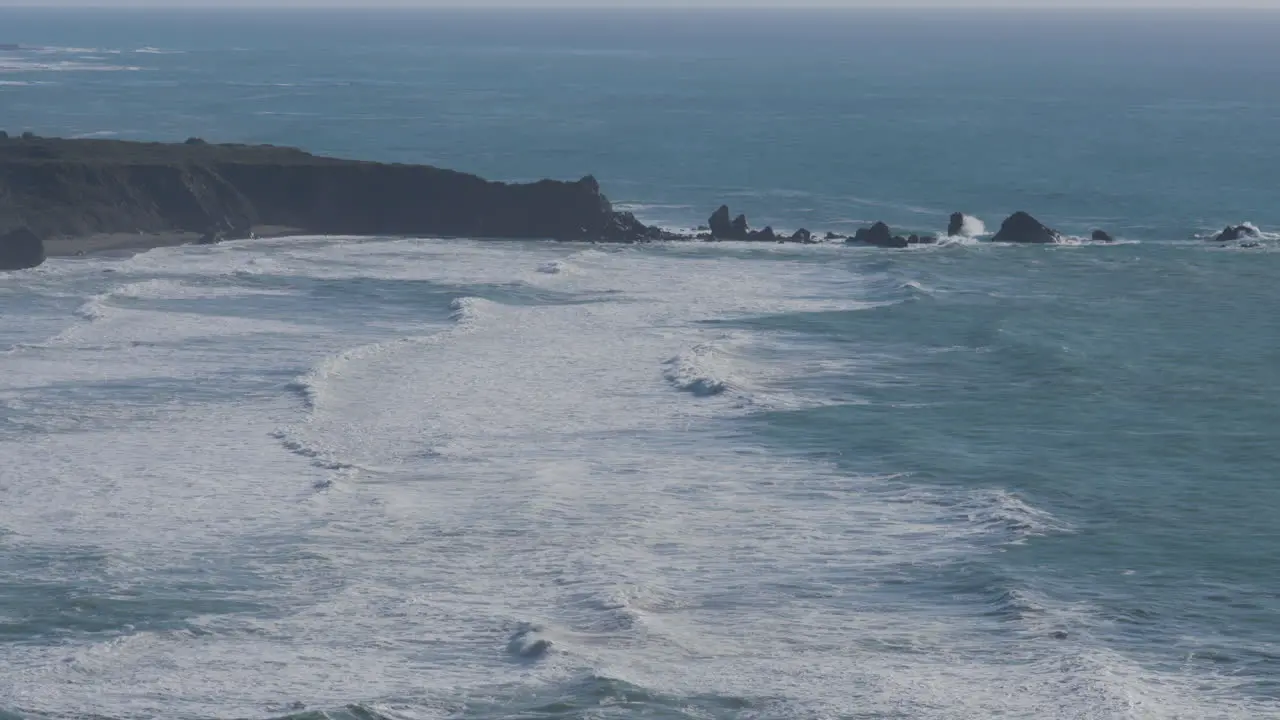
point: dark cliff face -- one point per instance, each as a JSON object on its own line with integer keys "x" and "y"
{"x": 78, "y": 187}
{"x": 371, "y": 199}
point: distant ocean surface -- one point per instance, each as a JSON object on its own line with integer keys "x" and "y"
{"x": 376, "y": 478}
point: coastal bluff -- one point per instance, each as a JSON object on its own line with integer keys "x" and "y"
{"x": 61, "y": 190}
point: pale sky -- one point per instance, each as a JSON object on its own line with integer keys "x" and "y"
{"x": 1028, "y": 4}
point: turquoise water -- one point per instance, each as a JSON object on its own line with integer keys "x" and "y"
{"x": 405, "y": 478}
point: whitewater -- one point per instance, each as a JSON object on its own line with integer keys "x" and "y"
{"x": 412, "y": 478}
{"x": 390, "y": 479}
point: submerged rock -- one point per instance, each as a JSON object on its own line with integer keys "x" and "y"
{"x": 922, "y": 239}
{"x": 1102, "y": 236}
{"x": 1022, "y": 228}
{"x": 1232, "y": 233}
{"x": 20, "y": 249}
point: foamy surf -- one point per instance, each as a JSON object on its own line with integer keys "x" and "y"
{"x": 704, "y": 370}
{"x": 529, "y": 497}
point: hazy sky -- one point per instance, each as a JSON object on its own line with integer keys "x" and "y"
{"x": 1208, "y": 4}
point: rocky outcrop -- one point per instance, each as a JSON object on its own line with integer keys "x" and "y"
{"x": 722, "y": 228}
{"x": 20, "y": 249}
{"x": 1232, "y": 233}
{"x": 955, "y": 227}
{"x": 878, "y": 235}
{"x": 1022, "y": 228}
{"x": 68, "y": 188}
{"x": 802, "y": 236}
{"x": 1101, "y": 236}
{"x": 719, "y": 223}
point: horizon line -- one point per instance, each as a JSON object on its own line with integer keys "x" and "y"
{"x": 712, "y": 5}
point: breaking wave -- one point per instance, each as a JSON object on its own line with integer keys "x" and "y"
{"x": 971, "y": 227}
{"x": 703, "y": 370}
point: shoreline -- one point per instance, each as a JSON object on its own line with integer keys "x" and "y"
{"x": 131, "y": 243}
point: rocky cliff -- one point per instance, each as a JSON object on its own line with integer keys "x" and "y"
{"x": 61, "y": 188}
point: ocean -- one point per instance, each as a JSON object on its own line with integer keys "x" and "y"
{"x": 399, "y": 478}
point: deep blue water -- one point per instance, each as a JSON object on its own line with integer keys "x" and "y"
{"x": 403, "y": 478}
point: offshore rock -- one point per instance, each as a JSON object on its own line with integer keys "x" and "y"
{"x": 722, "y": 228}
{"x": 73, "y": 188}
{"x": 20, "y": 249}
{"x": 1022, "y": 228}
{"x": 955, "y": 227}
{"x": 878, "y": 235}
{"x": 1102, "y": 236}
{"x": 1232, "y": 233}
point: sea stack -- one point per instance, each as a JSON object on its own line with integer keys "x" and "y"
{"x": 722, "y": 228}
{"x": 719, "y": 224}
{"x": 1022, "y": 228}
{"x": 1232, "y": 233}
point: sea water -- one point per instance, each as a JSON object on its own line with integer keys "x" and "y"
{"x": 414, "y": 478}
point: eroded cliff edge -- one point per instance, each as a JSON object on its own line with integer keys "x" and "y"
{"x": 60, "y": 188}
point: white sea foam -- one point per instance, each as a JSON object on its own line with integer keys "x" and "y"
{"x": 972, "y": 227}
{"x": 702, "y": 370}
{"x": 519, "y": 498}
{"x": 13, "y": 65}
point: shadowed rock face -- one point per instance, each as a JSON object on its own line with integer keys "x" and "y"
{"x": 1022, "y": 228}
{"x": 719, "y": 223}
{"x": 955, "y": 227}
{"x": 20, "y": 249}
{"x": 722, "y": 228}
{"x": 60, "y": 187}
